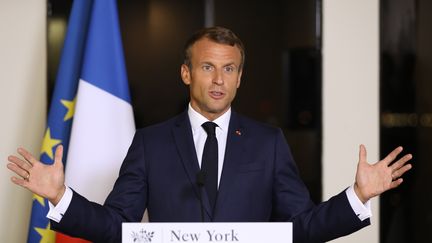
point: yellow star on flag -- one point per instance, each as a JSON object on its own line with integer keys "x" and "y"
{"x": 48, "y": 143}
{"x": 70, "y": 106}
{"x": 48, "y": 236}
{"x": 40, "y": 199}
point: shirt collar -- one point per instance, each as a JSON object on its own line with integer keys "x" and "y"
{"x": 196, "y": 119}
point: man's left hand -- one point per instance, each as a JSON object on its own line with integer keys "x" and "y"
{"x": 374, "y": 179}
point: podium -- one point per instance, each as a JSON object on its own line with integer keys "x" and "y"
{"x": 207, "y": 232}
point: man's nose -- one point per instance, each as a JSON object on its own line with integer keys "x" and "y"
{"x": 218, "y": 77}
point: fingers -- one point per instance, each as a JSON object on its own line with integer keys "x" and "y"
{"x": 27, "y": 156}
{"x": 399, "y": 167}
{"x": 19, "y": 162}
{"x": 398, "y": 164}
{"x": 362, "y": 153}
{"x": 18, "y": 170}
{"x": 58, "y": 156}
{"x": 21, "y": 167}
{"x": 19, "y": 181}
{"x": 392, "y": 156}
{"x": 398, "y": 173}
{"x": 396, "y": 183}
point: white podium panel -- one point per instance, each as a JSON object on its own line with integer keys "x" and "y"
{"x": 207, "y": 232}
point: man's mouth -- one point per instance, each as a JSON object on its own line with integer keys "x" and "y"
{"x": 216, "y": 94}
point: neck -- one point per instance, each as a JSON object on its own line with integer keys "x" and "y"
{"x": 211, "y": 116}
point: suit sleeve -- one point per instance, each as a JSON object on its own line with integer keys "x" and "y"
{"x": 291, "y": 201}
{"x": 126, "y": 203}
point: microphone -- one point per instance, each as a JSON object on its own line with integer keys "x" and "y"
{"x": 200, "y": 182}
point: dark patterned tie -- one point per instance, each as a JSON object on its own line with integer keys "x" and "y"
{"x": 209, "y": 163}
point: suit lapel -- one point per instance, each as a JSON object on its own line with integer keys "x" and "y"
{"x": 183, "y": 138}
{"x": 233, "y": 154}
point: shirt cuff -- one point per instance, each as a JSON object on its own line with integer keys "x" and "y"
{"x": 363, "y": 211}
{"x": 56, "y": 213}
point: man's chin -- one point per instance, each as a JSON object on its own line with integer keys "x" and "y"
{"x": 218, "y": 111}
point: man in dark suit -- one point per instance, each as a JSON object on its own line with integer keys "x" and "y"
{"x": 210, "y": 157}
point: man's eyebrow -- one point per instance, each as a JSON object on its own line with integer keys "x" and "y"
{"x": 208, "y": 63}
{"x": 225, "y": 65}
{"x": 230, "y": 64}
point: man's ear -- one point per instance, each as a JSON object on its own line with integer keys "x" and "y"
{"x": 239, "y": 78}
{"x": 185, "y": 74}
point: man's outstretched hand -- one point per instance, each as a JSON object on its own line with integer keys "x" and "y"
{"x": 374, "y": 179}
{"x": 44, "y": 180}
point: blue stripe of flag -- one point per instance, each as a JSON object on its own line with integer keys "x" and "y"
{"x": 104, "y": 60}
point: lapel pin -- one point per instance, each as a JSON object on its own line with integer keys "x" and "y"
{"x": 238, "y": 133}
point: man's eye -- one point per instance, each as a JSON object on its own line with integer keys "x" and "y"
{"x": 207, "y": 68}
{"x": 229, "y": 69}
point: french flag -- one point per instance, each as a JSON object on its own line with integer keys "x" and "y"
{"x": 103, "y": 124}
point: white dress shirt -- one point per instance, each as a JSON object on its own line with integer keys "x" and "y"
{"x": 200, "y": 135}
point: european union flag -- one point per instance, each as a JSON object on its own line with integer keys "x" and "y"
{"x": 61, "y": 110}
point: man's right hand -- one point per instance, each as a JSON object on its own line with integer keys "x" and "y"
{"x": 44, "y": 180}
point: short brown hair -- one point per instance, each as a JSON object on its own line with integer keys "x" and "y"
{"x": 217, "y": 34}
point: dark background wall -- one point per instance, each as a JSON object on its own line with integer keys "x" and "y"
{"x": 406, "y": 115}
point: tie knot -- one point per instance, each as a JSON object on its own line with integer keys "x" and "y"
{"x": 210, "y": 128}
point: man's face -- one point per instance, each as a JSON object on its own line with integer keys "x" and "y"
{"x": 214, "y": 77}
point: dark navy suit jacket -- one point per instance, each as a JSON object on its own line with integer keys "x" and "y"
{"x": 259, "y": 183}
